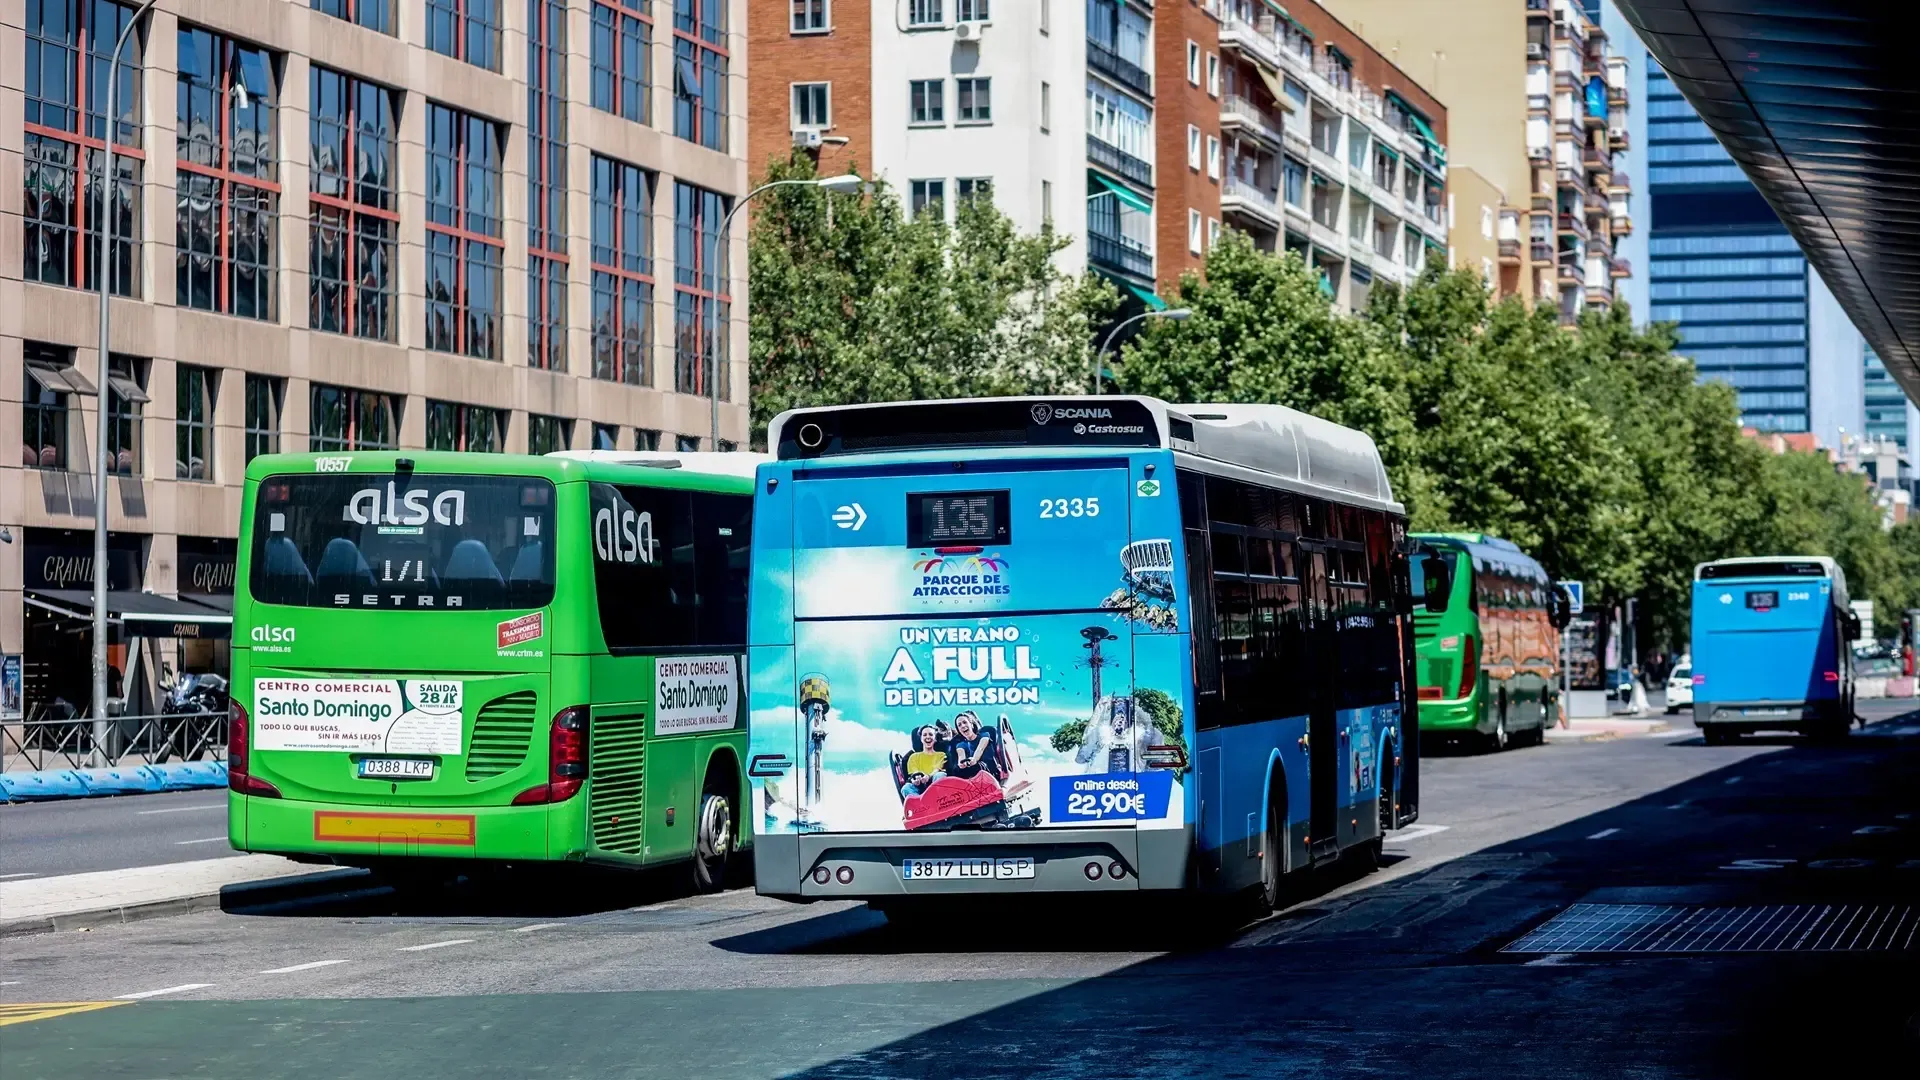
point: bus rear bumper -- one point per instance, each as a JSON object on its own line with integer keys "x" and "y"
{"x": 1762, "y": 715}
{"x": 868, "y": 866}
{"x": 348, "y": 832}
{"x": 1451, "y": 717}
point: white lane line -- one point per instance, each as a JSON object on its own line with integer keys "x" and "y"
{"x": 438, "y": 944}
{"x": 1414, "y": 832}
{"x": 1734, "y": 779}
{"x": 10, "y": 982}
{"x": 8, "y": 877}
{"x": 536, "y": 926}
{"x": 183, "y": 809}
{"x": 202, "y": 840}
{"x": 182, "y": 988}
{"x": 1553, "y": 960}
{"x": 1603, "y": 834}
{"x": 309, "y": 966}
{"x": 1678, "y": 806}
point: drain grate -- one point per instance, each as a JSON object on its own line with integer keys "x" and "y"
{"x": 1674, "y": 928}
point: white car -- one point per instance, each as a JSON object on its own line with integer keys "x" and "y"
{"x": 1679, "y": 689}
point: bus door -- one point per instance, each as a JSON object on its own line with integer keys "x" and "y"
{"x": 1323, "y": 735}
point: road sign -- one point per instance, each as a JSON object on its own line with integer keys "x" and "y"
{"x": 1576, "y": 595}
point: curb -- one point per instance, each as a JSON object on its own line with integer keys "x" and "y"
{"x": 49, "y": 785}
{"x": 246, "y": 898}
{"x": 1610, "y": 733}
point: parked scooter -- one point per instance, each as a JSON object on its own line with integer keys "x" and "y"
{"x": 200, "y": 699}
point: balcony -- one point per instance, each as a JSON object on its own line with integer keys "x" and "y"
{"x": 1622, "y": 225}
{"x": 1509, "y": 252}
{"x": 1570, "y": 268}
{"x": 1542, "y": 251}
{"x": 1118, "y": 254}
{"x": 1539, "y": 9}
{"x": 1620, "y": 268}
{"x": 1571, "y": 223}
{"x": 1617, "y": 137}
{"x": 1125, "y": 72}
{"x": 1238, "y": 112}
{"x": 1255, "y": 39}
{"x": 1119, "y": 162}
{"x": 1239, "y": 196}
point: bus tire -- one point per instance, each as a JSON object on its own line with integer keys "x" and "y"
{"x": 1273, "y": 852}
{"x": 1500, "y": 739}
{"x": 713, "y": 835}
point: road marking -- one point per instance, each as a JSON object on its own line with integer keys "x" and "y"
{"x": 10, "y": 982}
{"x": 183, "y": 809}
{"x": 1875, "y": 830}
{"x": 536, "y": 926}
{"x": 1603, "y": 834}
{"x": 182, "y": 988}
{"x": 309, "y": 966}
{"x": 1678, "y": 806}
{"x": 28, "y": 1011}
{"x": 1734, "y": 779}
{"x": 9, "y": 877}
{"x": 202, "y": 840}
{"x": 438, "y": 944}
{"x": 1415, "y": 832}
{"x": 1553, "y": 960}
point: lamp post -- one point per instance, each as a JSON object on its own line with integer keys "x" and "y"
{"x": 1176, "y": 314}
{"x": 105, "y": 392}
{"x": 843, "y": 185}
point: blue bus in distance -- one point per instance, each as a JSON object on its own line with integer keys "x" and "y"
{"x": 1772, "y": 647}
{"x": 1073, "y": 645}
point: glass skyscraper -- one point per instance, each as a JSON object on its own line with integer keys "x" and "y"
{"x": 1886, "y": 403}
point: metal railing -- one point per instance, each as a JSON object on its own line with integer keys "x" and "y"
{"x": 1108, "y": 156}
{"x": 1118, "y": 254}
{"x": 69, "y": 743}
{"x": 1121, "y": 70}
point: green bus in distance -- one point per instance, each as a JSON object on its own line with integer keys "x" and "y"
{"x": 1486, "y": 632}
{"x": 462, "y": 656}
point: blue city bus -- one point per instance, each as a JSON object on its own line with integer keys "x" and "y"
{"x": 1092, "y": 644}
{"x": 1771, "y": 647}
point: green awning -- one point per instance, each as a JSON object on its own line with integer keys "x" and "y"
{"x": 1125, "y": 194}
{"x": 1147, "y": 297}
{"x": 1387, "y": 150}
{"x": 1426, "y": 133}
{"x": 1278, "y": 10}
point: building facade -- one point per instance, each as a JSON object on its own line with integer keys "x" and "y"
{"x": 347, "y": 224}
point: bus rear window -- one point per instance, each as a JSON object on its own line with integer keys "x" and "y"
{"x": 410, "y": 542}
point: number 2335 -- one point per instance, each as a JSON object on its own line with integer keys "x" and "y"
{"x": 1066, "y": 508}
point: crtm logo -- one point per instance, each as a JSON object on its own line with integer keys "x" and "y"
{"x": 409, "y": 508}
{"x": 273, "y": 635}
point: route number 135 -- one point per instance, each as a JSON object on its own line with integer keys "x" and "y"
{"x": 1066, "y": 508}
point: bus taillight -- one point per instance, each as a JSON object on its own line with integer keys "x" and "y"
{"x": 1469, "y": 666}
{"x": 1833, "y": 676}
{"x": 566, "y": 759}
{"x": 1432, "y": 693}
{"x": 238, "y": 778}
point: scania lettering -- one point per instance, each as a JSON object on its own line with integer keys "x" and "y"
{"x": 447, "y": 657}
{"x": 1028, "y": 673}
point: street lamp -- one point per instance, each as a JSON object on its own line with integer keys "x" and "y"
{"x": 842, "y": 185}
{"x": 1178, "y": 314}
{"x": 105, "y": 391}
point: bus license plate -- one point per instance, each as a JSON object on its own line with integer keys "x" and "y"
{"x": 388, "y": 768}
{"x": 959, "y": 869}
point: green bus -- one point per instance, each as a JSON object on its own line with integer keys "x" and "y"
{"x": 1486, "y": 632}
{"x": 465, "y": 656}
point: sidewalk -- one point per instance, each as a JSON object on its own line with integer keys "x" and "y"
{"x": 107, "y": 896}
{"x": 1612, "y": 727}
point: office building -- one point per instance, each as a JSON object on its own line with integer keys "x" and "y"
{"x": 342, "y": 225}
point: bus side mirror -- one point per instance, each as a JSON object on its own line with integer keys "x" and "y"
{"x": 1853, "y": 626}
{"x": 1562, "y": 608}
{"x": 1436, "y": 581}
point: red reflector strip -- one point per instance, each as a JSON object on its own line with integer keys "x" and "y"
{"x": 1431, "y": 693}
{"x": 1699, "y": 680}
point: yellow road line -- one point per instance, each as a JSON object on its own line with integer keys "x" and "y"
{"x": 22, "y": 1013}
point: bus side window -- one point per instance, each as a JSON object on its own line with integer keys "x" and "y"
{"x": 644, "y": 566}
{"x": 723, "y": 530}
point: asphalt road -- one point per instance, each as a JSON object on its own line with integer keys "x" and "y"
{"x": 1398, "y": 972}
{"x": 72, "y": 836}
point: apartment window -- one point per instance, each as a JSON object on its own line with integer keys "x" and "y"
{"x": 193, "y": 422}
{"x": 971, "y": 11}
{"x": 229, "y": 195}
{"x": 49, "y": 379}
{"x": 925, "y": 97}
{"x": 68, "y": 43}
{"x": 1213, "y": 74}
{"x": 465, "y": 30}
{"x": 810, "y": 16}
{"x": 1293, "y": 177}
{"x": 372, "y": 14}
{"x": 686, "y": 444}
{"x": 1213, "y": 232}
{"x": 1193, "y": 62}
{"x": 1046, "y": 201}
{"x": 622, "y": 272}
{"x": 463, "y": 233}
{"x": 700, "y": 72}
{"x": 967, "y": 188}
{"x": 1193, "y": 148}
{"x": 546, "y": 434}
{"x": 702, "y": 291}
{"x": 345, "y": 419}
{"x": 1046, "y": 108}
{"x": 264, "y": 395}
{"x": 811, "y": 106}
{"x": 547, "y": 258}
{"x": 1193, "y": 231}
{"x": 126, "y": 413}
{"x": 606, "y": 436}
{"x": 1357, "y": 148}
{"x": 622, "y": 44}
{"x": 473, "y": 428}
{"x": 1213, "y": 157}
{"x": 355, "y": 214}
{"x": 929, "y": 196}
{"x": 646, "y": 439}
{"x": 925, "y": 13}
{"x": 975, "y": 98}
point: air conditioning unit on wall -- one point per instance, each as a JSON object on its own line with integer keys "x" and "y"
{"x": 969, "y": 31}
{"x": 806, "y": 138}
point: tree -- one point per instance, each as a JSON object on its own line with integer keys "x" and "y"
{"x": 855, "y": 301}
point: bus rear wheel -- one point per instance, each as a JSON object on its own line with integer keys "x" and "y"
{"x": 1273, "y": 852}
{"x": 713, "y": 836}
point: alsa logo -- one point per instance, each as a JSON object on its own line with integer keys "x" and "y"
{"x": 623, "y": 536}
{"x": 273, "y": 635}
{"x": 365, "y": 508}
